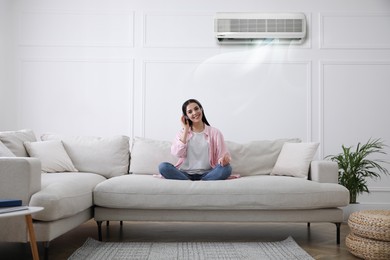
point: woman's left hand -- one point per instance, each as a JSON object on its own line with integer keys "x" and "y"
{"x": 224, "y": 160}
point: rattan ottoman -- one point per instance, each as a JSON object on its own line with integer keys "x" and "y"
{"x": 370, "y": 234}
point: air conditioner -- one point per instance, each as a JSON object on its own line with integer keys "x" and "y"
{"x": 280, "y": 28}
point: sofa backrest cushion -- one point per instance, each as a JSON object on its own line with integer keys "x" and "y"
{"x": 107, "y": 156}
{"x": 14, "y": 141}
{"x": 253, "y": 158}
{"x": 147, "y": 154}
{"x": 256, "y": 157}
{"x": 4, "y": 151}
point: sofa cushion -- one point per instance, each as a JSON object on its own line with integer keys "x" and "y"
{"x": 147, "y": 154}
{"x": 5, "y": 152}
{"x": 256, "y": 157}
{"x": 64, "y": 194}
{"x": 250, "y": 193}
{"x": 107, "y": 156}
{"x": 52, "y": 155}
{"x": 14, "y": 141}
{"x": 294, "y": 159}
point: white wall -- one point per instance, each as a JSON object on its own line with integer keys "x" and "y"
{"x": 8, "y": 87}
{"x": 125, "y": 67}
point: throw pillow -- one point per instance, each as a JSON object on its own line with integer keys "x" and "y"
{"x": 147, "y": 154}
{"x": 256, "y": 157}
{"x": 106, "y": 156}
{"x": 4, "y": 151}
{"x": 294, "y": 159}
{"x": 52, "y": 155}
{"x": 14, "y": 140}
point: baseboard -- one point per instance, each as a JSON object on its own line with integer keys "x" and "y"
{"x": 348, "y": 210}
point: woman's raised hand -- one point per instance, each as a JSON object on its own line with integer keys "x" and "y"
{"x": 185, "y": 123}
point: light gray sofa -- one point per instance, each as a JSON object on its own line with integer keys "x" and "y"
{"x": 274, "y": 186}
{"x": 89, "y": 177}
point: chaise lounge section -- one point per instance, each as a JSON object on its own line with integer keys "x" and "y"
{"x": 60, "y": 176}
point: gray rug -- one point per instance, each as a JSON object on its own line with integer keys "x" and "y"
{"x": 286, "y": 249}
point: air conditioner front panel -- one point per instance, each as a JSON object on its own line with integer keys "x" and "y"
{"x": 260, "y": 26}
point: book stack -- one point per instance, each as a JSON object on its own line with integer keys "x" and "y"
{"x": 11, "y": 205}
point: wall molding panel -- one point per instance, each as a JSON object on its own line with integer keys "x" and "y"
{"x": 322, "y": 85}
{"x": 357, "y": 30}
{"x": 76, "y": 28}
{"x": 198, "y": 75}
{"x": 190, "y": 30}
{"x": 362, "y": 85}
{"x": 80, "y": 92}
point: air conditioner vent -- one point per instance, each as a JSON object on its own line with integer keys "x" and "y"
{"x": 260, "y": 25}
{"x": 251, "y": 27}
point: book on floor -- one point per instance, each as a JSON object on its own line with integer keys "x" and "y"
{"x": 12, "y": 209}
{"x": 10, "y": 203}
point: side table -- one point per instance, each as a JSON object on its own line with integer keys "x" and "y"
{"x": 27, "y": 213}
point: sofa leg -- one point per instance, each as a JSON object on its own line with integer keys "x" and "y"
{"x": 46, "y": 250}
{"x": 308, "y": 224}
{"x": 99, "y": 224}
{"x": 338, "y": 225}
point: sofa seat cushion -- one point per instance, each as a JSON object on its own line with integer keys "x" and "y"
{"x": 64, "y": 194}
{"x": 251, "y": 192}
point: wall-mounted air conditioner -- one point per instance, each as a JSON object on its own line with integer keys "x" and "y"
{"x": 280, "y": 28}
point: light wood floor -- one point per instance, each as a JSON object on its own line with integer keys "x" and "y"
{"x": 319, "y": 240}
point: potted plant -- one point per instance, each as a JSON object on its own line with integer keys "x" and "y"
{"x": 355, "y": 167}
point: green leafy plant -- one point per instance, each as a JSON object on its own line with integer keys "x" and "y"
{"x": 355, "y": 167}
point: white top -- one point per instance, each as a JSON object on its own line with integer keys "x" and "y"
{"x": 197, "y": 160}
{"x": 22, "y": 212}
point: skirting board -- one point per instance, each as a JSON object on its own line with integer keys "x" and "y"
{"x": 348, "y": 210}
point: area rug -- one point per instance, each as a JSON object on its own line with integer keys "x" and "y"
{"x": 286, "y": 249}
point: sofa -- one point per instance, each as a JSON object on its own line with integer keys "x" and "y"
{"x": 77, "y": 178}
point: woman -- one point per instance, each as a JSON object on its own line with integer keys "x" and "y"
{"x": 201, "y": 149}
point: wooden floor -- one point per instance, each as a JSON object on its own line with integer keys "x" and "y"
{"x": 319, "y": 240}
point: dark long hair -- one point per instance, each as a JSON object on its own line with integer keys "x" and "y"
{"x": 184, "y": 109}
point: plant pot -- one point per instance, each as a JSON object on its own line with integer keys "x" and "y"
{"x": 352, "y": 197}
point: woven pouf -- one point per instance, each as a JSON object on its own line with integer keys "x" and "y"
{"x": 374, "y": 224}
{"x": 368, "y": 248}
{"x": 370, "y": 234}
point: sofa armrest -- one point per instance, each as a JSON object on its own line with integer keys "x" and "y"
{"x": 20, "y": 178}
{"x": 324, "y": 171}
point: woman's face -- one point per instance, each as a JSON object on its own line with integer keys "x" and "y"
{"x": 194, "y": 112}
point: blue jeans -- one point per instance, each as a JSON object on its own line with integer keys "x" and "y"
{"x": 169, "y": 171}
